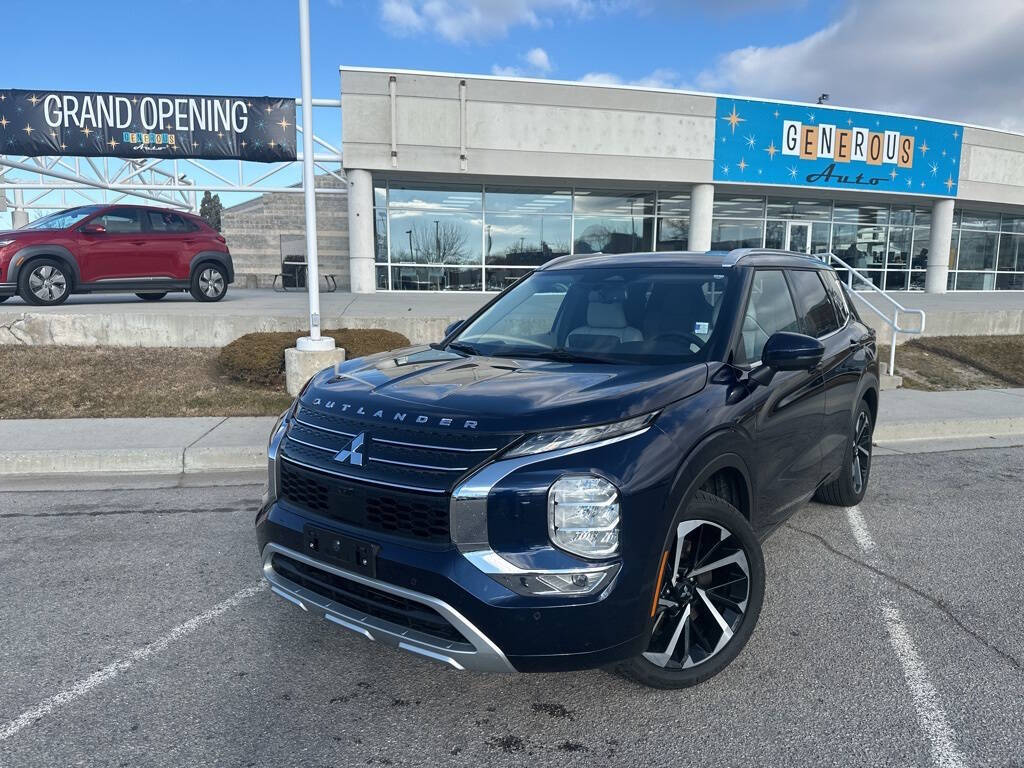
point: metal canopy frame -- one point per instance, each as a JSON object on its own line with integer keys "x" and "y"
{"x": 172, "y": 182}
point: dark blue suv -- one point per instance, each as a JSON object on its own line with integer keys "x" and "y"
{"x": 581, "y": 473}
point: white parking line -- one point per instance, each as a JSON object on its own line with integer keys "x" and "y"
{"x": 930, "y": 715}
{"x": 112, "y": 670}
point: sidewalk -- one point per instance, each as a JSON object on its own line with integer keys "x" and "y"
{"x": 195, "y": 445}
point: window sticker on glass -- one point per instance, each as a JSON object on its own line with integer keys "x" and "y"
{"x": 701, "y": 328}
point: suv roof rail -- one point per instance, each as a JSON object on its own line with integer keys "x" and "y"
{"x": 738, "y": 254}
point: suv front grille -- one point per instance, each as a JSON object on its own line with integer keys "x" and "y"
{"x": 369, "y": 600}
{"x": 410, "y": 515}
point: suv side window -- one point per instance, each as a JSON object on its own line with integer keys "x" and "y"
{"x": 165, "y": 221}
{"x": 817, "y": 312}
{"x": 121, "y": 221}
{"x": 835, "y": 293}
{"x": 769, "y": 310}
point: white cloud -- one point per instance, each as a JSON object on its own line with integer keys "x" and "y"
{"x": 538, "y": 59}
{"x": 659, "y": 78}
{"x": 537, "y": 63}
{"x": 474, "y": 20}
{"x": 940, "y": 59}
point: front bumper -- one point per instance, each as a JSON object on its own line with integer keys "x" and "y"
{"x": 478, "y": 653}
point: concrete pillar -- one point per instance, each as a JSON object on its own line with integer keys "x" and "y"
{"x": 360, "y": 231}
{"x": 19, "y": 216}
{"x": 938, "y": 246}
{"x": 702, "y": 198}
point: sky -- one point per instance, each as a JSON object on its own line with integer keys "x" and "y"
{"x": 935, "y": 58}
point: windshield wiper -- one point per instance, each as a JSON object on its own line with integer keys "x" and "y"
{"x": 464, "y": 347}
{"x": 561, "y": 354}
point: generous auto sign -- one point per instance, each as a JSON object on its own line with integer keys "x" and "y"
{"x": 764, "y": 142}
{"x": 36, "y": 123}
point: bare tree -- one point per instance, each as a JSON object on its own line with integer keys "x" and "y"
{"x": 439, "y": 242}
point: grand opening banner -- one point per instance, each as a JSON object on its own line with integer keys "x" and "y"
{"x": 765, "y": 142}
{"x": 76, "y": 123}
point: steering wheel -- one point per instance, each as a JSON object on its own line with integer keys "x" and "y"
{"x": 688, "y": 338}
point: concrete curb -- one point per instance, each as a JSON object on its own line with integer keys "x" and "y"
{"x": 205, "y": 445}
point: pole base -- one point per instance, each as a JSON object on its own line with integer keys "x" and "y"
{"x": 309, "y": 344}
{"x": 300, "y": 365}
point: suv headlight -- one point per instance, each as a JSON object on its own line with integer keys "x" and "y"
{"x": 583, "y": 515}
{"x": 570, "y": 438}
{"x": 4, "y": 243}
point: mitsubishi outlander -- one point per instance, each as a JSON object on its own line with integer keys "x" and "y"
{"x": 580, "y": 474}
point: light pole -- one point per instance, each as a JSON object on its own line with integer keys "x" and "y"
{"x": 437, "y": 238}
{"x": 314, "y": 342}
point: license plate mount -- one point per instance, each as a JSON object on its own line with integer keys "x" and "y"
{"x": 346, "y": 552}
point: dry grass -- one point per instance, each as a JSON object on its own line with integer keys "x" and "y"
{"x": 960, "y": 362}
{"x": 75, "y": 382}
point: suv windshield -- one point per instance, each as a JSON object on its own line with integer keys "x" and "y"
{"x": 64, "y": 219}
{"x": 646, "y": 315}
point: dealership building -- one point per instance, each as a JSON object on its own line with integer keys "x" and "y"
{"x": 464, "y": 182}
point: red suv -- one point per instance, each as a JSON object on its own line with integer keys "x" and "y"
{"x": 98, "y": 248}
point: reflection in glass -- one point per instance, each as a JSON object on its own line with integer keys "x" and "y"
{"x": 380, "y": 236}
{"x": 726, "y": 235}
{"x": 1011, "y": 253}
{"x": 979, "y": 220}
{"x": 819, "y": 237}
{"x": 607, "y": 234}
{"x": 673, "y": 233}
{"x": 674, "y": 204}
{"x": 863, "y": 213}
{"x": 382, "y": 277}
{"x": 436, "y": 237}
{"x": 919, "y": 260}
{"x": 975, "y": 281}
{"x": 451, "y": 197}
{"x": 522, "y": 200}
{"x": 525, "y": 240}
{"x": 500, "y": 279}
{"x": 409, "y": 278}
{"x": 614, "y": 203}
{"x": 775, "y": 234}
{"x": 738, "y": 207}
{"x": 1009, "y": 282}
{"x": 791, "y": 208}
{"x": 977, "y": 250}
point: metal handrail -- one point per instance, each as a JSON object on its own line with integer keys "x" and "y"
{"x": 898, "y": 308}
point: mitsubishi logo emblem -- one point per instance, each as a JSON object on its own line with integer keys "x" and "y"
{"x": 352, "y": 454}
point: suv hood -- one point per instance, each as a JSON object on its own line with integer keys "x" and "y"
{"x": 497, "y": 393}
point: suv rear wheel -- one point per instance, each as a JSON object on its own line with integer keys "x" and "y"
{"x": 209, "y": 282}
{"x": 849, "y": 488}
{"x": 44, "y": 282}
{"x": 711, "y": 587}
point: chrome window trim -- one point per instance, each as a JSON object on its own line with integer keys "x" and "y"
{"x": 485, "y": 656}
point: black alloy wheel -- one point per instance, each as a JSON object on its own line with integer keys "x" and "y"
{"x": 711, "y": 591}
{"x": 849, "y": 488}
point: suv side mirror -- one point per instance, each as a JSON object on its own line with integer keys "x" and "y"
{"x": 93, "y": 228}
{"x": 787, "y": 352}
{"x": 453, "y": 328}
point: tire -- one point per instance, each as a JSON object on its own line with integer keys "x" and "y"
{"x": 151, "y": 296}
{"x": 209, "y": 282}
{"x": 849, "y": 488}
{"x": 45, "y": 282}
{"x": 679, "y": 656}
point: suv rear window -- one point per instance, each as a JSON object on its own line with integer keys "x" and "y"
{"x": 165, "y": 221}
{"x": 816, "y": 310}
{"x": 835, "y": 292}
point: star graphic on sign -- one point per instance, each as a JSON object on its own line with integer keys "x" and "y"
{"x": 734, "y": 119}
{"x": 53, "y": 134}
{"x": 28, "y": 129}
{"x": 934, "y": 167}
{"x": 943, "y": 153}
{"x": 924, "y": 147}
{"x": 112, "y": 142}
{"x": 269, "y": 110}
{"x": 849, "y": 121}
{"x": 3, "y": 122}
{"x": 243, "y": 143}
{"x": 956, "y": 134}
{"x": 284, "y": 124}
{"x": 63, "y": 145}
{"x": 771, "y": 149}
{"x": 909, "y": 182}
{"x": 758, "y": 171}
{"x": 220, "y": 134}
{"x": 810, "y": 117}
{"x": 3, "y": 97}
{"x": 723, "y": 139}
{"x": 792, "y": 172}
{"x": 742, "y": 165}
{"x": 776, "y": 113}
{"x": 892, "y": 174}
{"x": 751, "y": 140}
{"x": 725, "y": 169}
{"x": 949, "y": 184}
{"x": 922, "y": 184}
{"x": 271, "y": 144}
{"x": 87, "y": 130}
{"x": 34, "y": 99}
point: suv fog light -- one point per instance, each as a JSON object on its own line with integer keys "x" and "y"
{"x": 583, "y": 515}
{"x": 573, "y": 584}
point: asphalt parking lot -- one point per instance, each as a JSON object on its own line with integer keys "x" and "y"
{"x": 135, "y": 633}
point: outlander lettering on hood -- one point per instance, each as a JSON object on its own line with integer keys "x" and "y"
{"x": 440, "y": 421}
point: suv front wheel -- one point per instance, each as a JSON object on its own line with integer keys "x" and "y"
{"x": 44, "y": 282}
{"x": 710, "y": 591}
{"x": 209, "y": 282}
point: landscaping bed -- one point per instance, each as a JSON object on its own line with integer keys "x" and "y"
{"x": 960, "y": 362}
{"x": 243, "y": 379}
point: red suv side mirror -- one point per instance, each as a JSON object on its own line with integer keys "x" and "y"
{"x": 93, "y": 228}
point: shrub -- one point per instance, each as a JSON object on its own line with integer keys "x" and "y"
{"x": 258, "y": 358}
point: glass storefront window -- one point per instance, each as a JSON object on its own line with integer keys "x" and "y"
{"x": 738, "y": 207}
{"x": 975, "y": 281}
{"x": 614, "y": 203}
{"x": 436, "y": 237}
{"x": 977, "y": 250}
{"x": 380, "y": 236}
{"x": 525, "y": 240}
{"x": 807, "y": 210}
{"x": 726, "y": 235}
{"x": 775, "y": 234}
{"x": 673, "y": 233}
{"x": 447, "y": 197}
{"x": 500, "y": 279}
{"x": 613, "y": 234}
{"x": 1012, "y": 223}
{"x": 1011, "y": 253}
{"x": 861, "y": 213}
{"x": 863, "y": 248}
{"x": 674, "y": 204}
{"x": 527, "y": 201}
{"x": 979, "y": 220}
{"x": 410, "y": 278}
